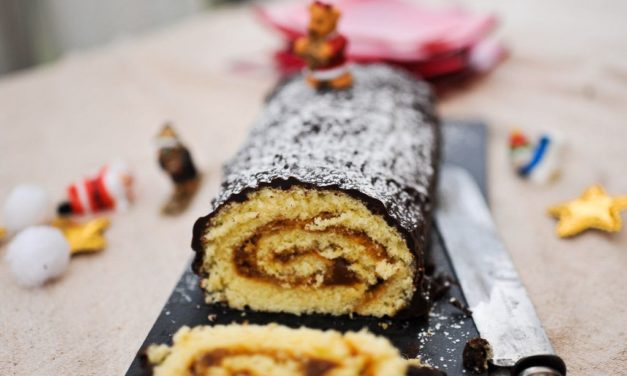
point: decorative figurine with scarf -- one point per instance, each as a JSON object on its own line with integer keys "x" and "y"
{"x": 176, "y": 160}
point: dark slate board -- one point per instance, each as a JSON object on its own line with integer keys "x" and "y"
{"x": 439, "y": 338}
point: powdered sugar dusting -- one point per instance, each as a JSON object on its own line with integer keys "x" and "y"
{"x": 378, "y": 138}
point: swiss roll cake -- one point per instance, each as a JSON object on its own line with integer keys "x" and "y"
{"x": 326, "y": 208}
{"x": 280, "y": 351}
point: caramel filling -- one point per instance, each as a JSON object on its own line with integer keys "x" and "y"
{"x": 337, "y": 271}
{"x": 308, "y": 366}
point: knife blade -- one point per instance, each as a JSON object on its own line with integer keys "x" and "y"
{"x": 502, "y": 311}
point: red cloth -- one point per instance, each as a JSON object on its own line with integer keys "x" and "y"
{"x": 432, "y": 43}
{"x": 396, "y": 30}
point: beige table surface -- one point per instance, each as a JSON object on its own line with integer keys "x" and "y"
{"x": 568, "y": 71}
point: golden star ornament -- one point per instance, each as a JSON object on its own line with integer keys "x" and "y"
{"x": 83, "y": 237}
{"x": 594, "y": 209}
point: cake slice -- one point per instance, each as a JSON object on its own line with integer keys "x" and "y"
{"x": 327, "y": 206}
{"x": 278, "y": 351}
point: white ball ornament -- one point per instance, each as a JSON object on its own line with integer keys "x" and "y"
{"x": 27, "y": 205}
{"x": 37, "y": 255}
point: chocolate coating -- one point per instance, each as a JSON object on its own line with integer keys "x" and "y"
{"x": 424, "y": 371}
{"x": 377, "y": 141}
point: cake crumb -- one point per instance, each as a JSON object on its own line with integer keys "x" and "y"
{"x": 477, "y": 354}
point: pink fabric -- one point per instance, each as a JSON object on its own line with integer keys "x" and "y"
{"x": 390, "y": 29}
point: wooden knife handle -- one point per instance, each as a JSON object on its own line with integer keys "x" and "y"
{"x": 540, "y": 365}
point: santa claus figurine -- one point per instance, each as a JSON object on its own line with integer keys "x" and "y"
{"x": 324, "y": 49}
{"x": 176, "y": 160}
{"x": 109, "y": 189}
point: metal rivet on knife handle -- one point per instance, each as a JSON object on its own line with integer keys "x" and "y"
{"x": 539, "y": 371}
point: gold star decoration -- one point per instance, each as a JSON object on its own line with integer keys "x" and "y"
{"x": 593, "y": 210}
{"x": 83, "y": 237}
{"x": 3, "y": 232}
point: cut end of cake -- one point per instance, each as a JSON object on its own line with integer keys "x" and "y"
{"x": 305, "y": 250}
{"x": 275, "y": 350}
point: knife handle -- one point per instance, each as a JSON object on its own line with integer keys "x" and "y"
{"x": 540, "y": 365}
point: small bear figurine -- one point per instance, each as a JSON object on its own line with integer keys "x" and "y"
{"x": 176, "y": 160}
{"x": 324, "y": 49}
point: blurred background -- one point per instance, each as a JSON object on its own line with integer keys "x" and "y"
{"x": 38, "y": 31}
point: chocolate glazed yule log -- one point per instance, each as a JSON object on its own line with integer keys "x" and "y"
{"x": 327, "y": 206}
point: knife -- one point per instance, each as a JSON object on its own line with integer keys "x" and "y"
{"x": 502, "y": 311}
